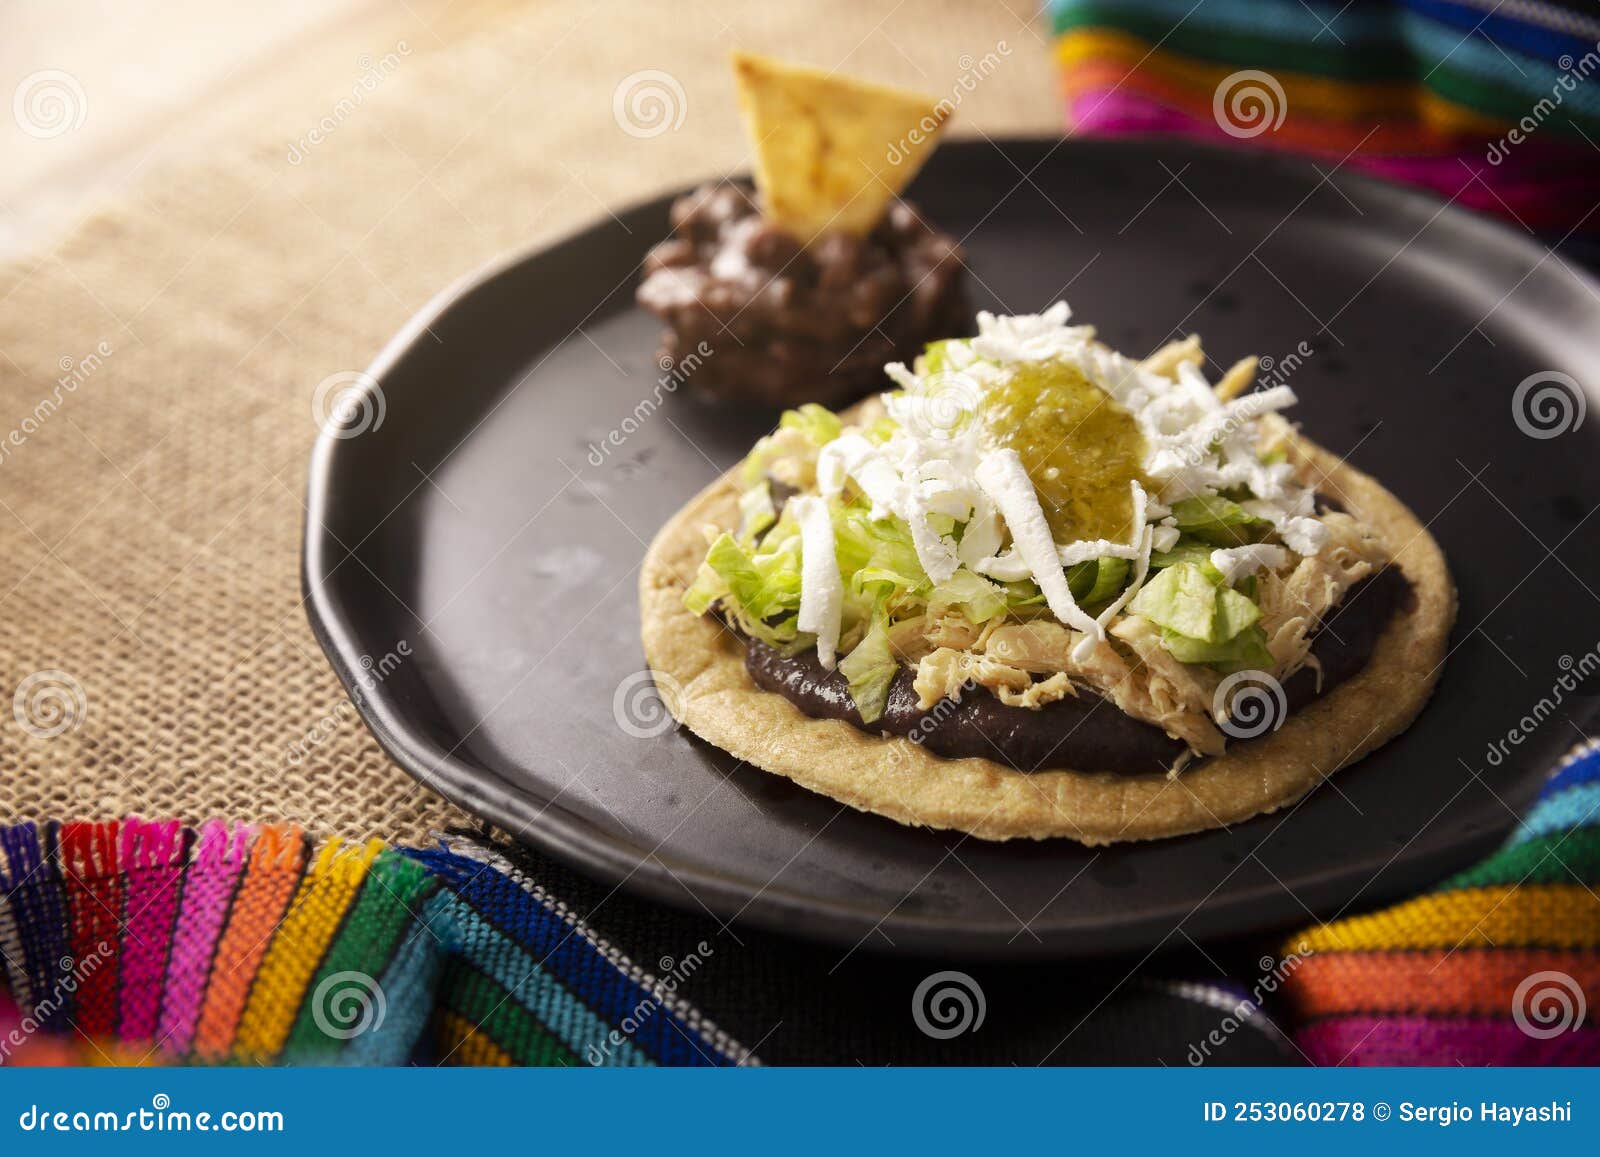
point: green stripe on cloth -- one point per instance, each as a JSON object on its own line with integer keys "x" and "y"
{"x": 346, "y": 984}
{"x": 1210, "y": 40}
{"x": 488, "y": 1005}
{"x": 1408, "y": 48}
{"x": 1571, "y": 857}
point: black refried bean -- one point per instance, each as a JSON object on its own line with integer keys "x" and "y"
{"x": 788, "y": 323}
{"x": 1082, "y": 732}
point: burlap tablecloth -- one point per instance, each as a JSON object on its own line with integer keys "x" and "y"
{"x": 157, "y": 363}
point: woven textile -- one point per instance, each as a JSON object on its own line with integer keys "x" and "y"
{"x": 151, "y": 506}
{"x": 149, "y": 569}
{"x": 1496, "y": 965}
{"x": 1494, "y": 106}
{"x": 248, "y": 945}
{"x": 255, "y": 949}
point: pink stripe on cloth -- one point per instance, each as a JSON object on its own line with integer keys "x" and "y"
{"x": 1422, "y": 1040}
{"x": 152, "y": 860}
{"x": 214, "y": 876}
{"x": 1540, "y": 184}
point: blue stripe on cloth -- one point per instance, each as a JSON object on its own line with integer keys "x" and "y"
{"x": 1336, "y": 24}
{"x": 1503, "y": 27}
{"x": 34, "y": 889}
{"x": 410, "y": 985}
{"x": 1529, "y": 72}
{"x": 534, "y": 986}
{"x": 1577, "y": 806}
{"x": 1582, "y": 766}
{"x": 584, "y": 969}
{"x": 1281, "y": 19}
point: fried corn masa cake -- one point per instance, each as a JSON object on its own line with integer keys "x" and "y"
{"x": 800, "y": 290}
{"x": 1045, "y": 590}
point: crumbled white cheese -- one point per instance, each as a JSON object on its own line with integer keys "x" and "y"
{"x": 1236, "y": 562}
{"x": 1006, "y": 482}
{"x": 1304, "y": 536}
{"x": 935, "y": 468}
{"x": 983, "y": 534}
{"x": 821, "y": 588}
{"x": 852, "y": 456}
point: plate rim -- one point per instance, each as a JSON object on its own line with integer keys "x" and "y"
{"x": 605, "y": 854}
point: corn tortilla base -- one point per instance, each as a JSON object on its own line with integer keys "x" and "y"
{"x": 700, "y": 666}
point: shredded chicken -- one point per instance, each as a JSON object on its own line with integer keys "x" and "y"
{"x": 946, "y": 672}
{"x": 1174, "y": 696}
{"x": 1032, "y": 664}
{"x": 1166, "y": 360}
{"x": 1237, "y": 380}
{"x": 1058, "y": 686}
{"x": 1155, "y": 688}
{"x": 1293, "y": 604}
{"x": 1039, "y": 647}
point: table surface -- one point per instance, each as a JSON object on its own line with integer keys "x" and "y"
{"x": 193, "y": 265}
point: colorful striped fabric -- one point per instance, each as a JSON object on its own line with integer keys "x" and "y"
{"x": 1497, "y": 965}
{"x": 1495, "y": 106}
{"x": 146, "y": 942}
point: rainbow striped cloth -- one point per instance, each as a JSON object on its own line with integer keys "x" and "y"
{"x": 140, "y": 942}
{"x": 146, "y": 942}
{"x": 1493, "y": 105}
{"x": 1498, "y": 965}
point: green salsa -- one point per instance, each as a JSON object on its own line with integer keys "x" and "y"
{"x": 1080, "y": 448}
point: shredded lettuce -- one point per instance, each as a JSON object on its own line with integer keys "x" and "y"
{"x": 756, "y": 511}
{"x": 1219, "y": 521}
{"x": 1186, "y": 550}
{"x": 819, "y": 424}
{"x": 762, "y": 591}
{"x": 979, "y": 599}
{"x": 880, "y": 431}
{"x": 1246, "y": 651}
{"x": 936, "y": 356}
{"x": 1097, "y": 581}
{"x": 877, "y": 556}
{"x": 1201, "y": 620}
{"x": 870, "y": 669}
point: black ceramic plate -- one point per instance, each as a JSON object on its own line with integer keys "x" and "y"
{"x": 470, "y": 562}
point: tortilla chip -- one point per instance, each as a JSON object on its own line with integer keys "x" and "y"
{"x": 704, "y": 663}
{"x": 831, "y": 152}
